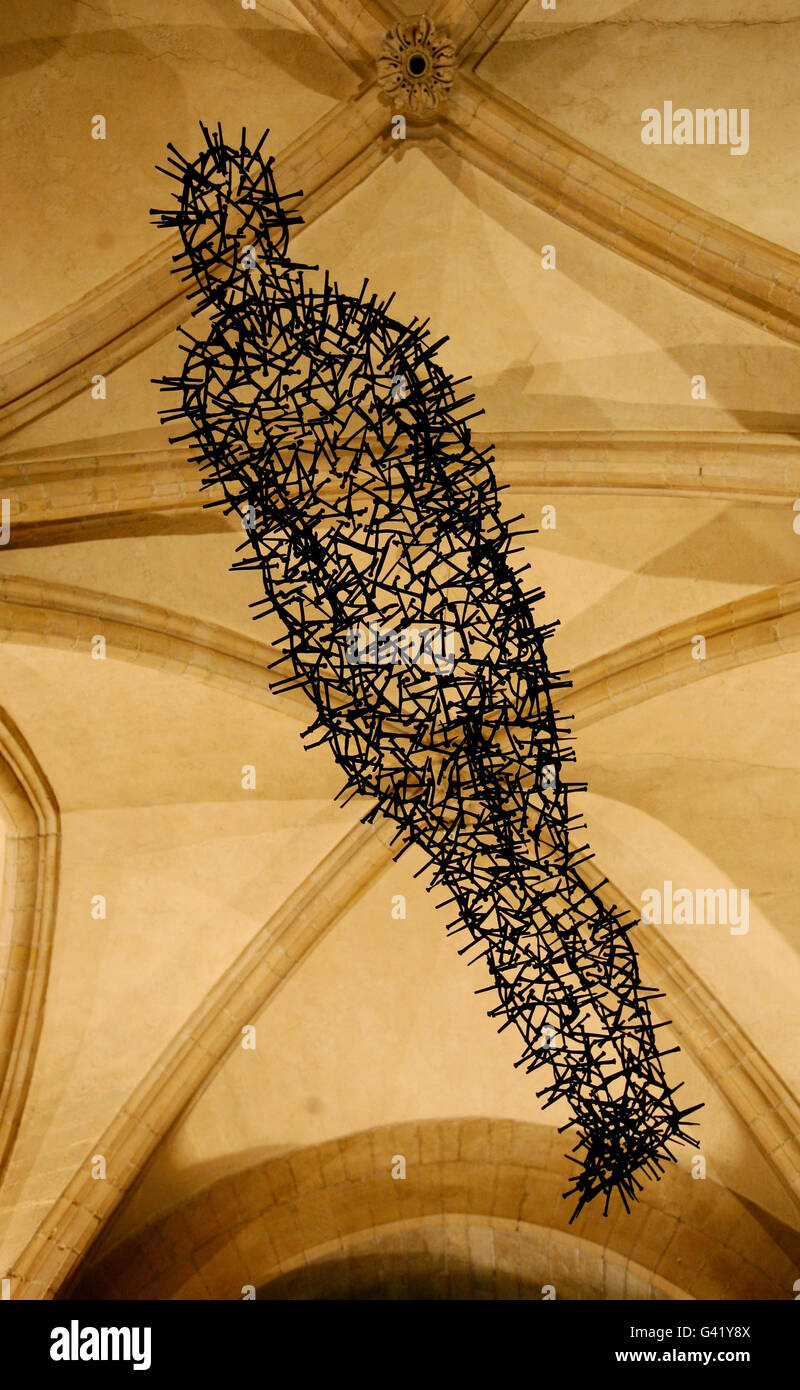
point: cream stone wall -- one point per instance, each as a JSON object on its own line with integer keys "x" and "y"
{"x": 594, "y": 76}
{"x": 422, "y": 1048}
{"x": 229, "y": 907}
{"x": 245, "y": 68}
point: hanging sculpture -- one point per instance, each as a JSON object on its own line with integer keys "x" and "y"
{"x": 375, "y": 524}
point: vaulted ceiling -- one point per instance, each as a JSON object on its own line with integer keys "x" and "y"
{"x": 229, "y": 906}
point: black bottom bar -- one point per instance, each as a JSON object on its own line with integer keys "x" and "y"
{"x": 379, "y": 1344}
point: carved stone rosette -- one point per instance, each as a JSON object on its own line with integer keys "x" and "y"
{"x": 416, "y": 65}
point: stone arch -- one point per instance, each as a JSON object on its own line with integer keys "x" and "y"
{"x": 106, "y": 488}
{"x": 753, "y": 628}
{"x": 27, "y": 918}
{"x": 457, "y": 1257}
{"x": 194, "y": 1055}
{"x": 40, "y": 613}
{"x": 683, "y": 1239}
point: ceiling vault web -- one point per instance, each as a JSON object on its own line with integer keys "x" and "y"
{"x": 719, "y": 263}
{"x": 114, "y": 486}
{"x": 708, "y": 1032}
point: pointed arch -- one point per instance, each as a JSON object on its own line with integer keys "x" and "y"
{"x": 27, "y": 918}
{"x": 504, "y": 1177}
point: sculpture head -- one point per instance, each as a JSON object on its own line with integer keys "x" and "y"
{"x": 229, "y": 213}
